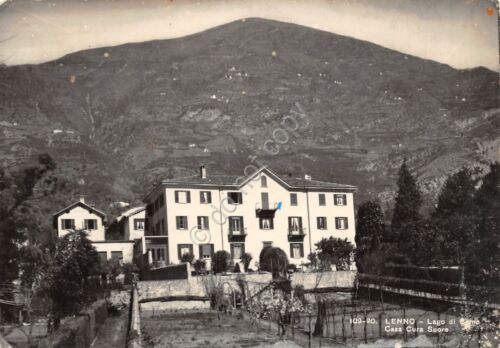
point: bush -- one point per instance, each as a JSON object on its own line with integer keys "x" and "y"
{"x": 273, "y": 260}
{"x": 237, "y": 268}
{"x": 222, "y": 261}
{"x": 199, "y": 266}
{"x": 187, "y": 258}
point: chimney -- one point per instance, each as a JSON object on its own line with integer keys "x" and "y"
{"x": 203, "y": 172}
{"x": 307, "y": 177}
{"x": 82, "y": 198}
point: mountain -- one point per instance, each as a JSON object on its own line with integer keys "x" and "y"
{"x": 118, "y": 118}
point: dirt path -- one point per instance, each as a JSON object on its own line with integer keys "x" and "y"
{"x": 113, "y": 334}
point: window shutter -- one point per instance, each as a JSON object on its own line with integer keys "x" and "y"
{"x": 230, "y": 225}
{"x": 291, "y": 250}
{"x": 178, "y": 222}
{"x": 179, "y": 256}
{"x": 301, "y": 250}
{"x": 207, "y": 220}
{"x": 188, "y": 196}
{"x": 300, "y": 223}
{"x": 271, "y": 224}
{"x": 62, "y": 224}
{"x": 242, "y": 226}
{"x": 242, "y": 249}
{"x": 346, "y": 225}
{"x": 289, "y": 223}
{"x": 209, "y": 196}
{"x": 199, "y": 222}
{"x": 212, "y": 250}
{"x": 176, "y": 196}
{"x": 260, "y": 223}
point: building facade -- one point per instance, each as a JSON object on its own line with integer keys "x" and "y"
{"x": 202, "y": 214}
{"x": 82, "y": 216}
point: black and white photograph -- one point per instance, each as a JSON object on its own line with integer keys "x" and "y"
{"x": 249, "y": 174}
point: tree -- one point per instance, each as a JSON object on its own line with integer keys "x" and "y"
{"x": 237, "y": 268}
{"x": 274, "y": 260}
{"x": 17, "y": 191}
{"x": 335, "y": 250}
{"x": 246, "y": 258}
{"x": 370, "y": 230}
{"x": 406, "y": 219}
{"x": 199, "y": 266}
{"x": 34, "y": 265}
{"x": 222, "y": 261}
{"x": 69, "y": 284}
{"x": 484, "y": 268}
{"x": 456, "y": 217}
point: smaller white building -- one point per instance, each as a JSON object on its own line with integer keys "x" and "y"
{"x": 82, "y": 216}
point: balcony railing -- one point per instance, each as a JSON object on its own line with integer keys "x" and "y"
{"x": 237, "y": 235}
{"x": 296, "y": 234}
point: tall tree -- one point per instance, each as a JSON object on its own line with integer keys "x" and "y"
{"x": 484, "y": 269}
{"x": 406, "y": 220}
{"x": 17, "y": 191}
{"x": 69, "y": 283}
{"x": 370, "y": 230}
{"x": 456, "y": 218}
{"x": 222, "y": 261}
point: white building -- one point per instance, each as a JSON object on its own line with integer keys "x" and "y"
{"x": 82, "y": 216}
{"x": 202, "y": 214}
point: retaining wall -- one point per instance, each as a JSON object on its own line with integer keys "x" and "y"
{"x": 80, "y": 332}
{"x": 325, "y": 280}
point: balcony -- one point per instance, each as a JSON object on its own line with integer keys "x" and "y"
{"x": 296, "y": 234}
{"x": 237, "y": 236}
{"x": 267, "y": 212}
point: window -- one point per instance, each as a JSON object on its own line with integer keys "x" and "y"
{"x": 266, "y": 223}
{"x": 322, "y": 200}
{"x": 158, "y": 253}
{"x": 264, "y": 197}
{"x": 139, "y": 224}
{"x": 67, "y": 224}
{"x": 183, "y": 249}
{"x": 205, "y": 197}
{"x": 206, "y": 251}
{"x": 181, "y": 222}
{"x": 340, "y": 199}
{"x": 103, "y": 256}
{"x": 203, "y": 223}
{"x": 235, "y": 197}
{"x": 237, "y": 249}
{"x": 90, "y": 224}
{"x": 293, "y": 199}
{"x": 117, "y": 255}
{"x": 341, "y": 223}
{"x": 236, "y": 224}
{"x": 162, "y": 200}
{"x": 263, "y": 181}
{"x": 182, "y": 197}
{"x": 321, "y": 223}
{"x": 267, "y": 244}
{"x": 295, "y": 224}
{"x": 296, "y": 250}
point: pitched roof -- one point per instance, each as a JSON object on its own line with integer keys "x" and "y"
{"x": 238, "y": 181}
{"x": 81, "y": 204}
{"x": 130, "y": 212}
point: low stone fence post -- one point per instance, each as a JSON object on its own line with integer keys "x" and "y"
{"x": 134, "y": 334}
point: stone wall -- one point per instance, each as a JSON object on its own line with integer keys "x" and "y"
{"x": 196, "y": 286}
{"x": 325, "y": 280}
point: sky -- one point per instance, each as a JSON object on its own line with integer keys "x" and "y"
{"x": 460, "y": 33}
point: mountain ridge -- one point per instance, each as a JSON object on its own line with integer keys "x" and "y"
{"x": 133, "y": 113}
